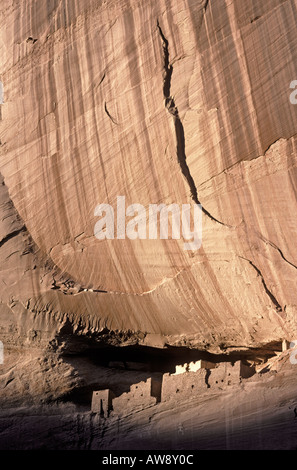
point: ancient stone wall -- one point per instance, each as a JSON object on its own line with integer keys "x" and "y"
{"x": 173, "y": 386}
{"x": 139, "y": 397}
{"x": 212, "y": 376}
{"x": 229, "y": 374}
{"x": 102, "y": 401}
{"x": 224, "y": 374}
{"x": 189, "y": 383}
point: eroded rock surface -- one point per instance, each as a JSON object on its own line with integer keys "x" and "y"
{"x": 161, "y": 102}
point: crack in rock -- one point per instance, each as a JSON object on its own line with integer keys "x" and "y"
{"x": 109, "y": 115}
{"x": 248, "y": 160}
{"x": 103, "y": 77}
{"x": 268, "y": 292}
{"x": 11, "y": 235}
{"x": 179, "y": 128}
{"x": 273, "y": 245}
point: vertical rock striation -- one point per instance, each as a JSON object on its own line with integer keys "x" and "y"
{"x": 84, "y": 121}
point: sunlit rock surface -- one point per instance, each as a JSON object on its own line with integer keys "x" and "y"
{"x": 172, "y": 102}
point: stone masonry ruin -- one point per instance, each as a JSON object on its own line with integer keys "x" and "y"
{"x": 189, "y": 379}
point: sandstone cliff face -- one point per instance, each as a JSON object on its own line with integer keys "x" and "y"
{"x": 161, "y": 102}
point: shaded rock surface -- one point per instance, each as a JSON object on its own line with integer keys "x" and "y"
{"x": 264, "y": 405}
